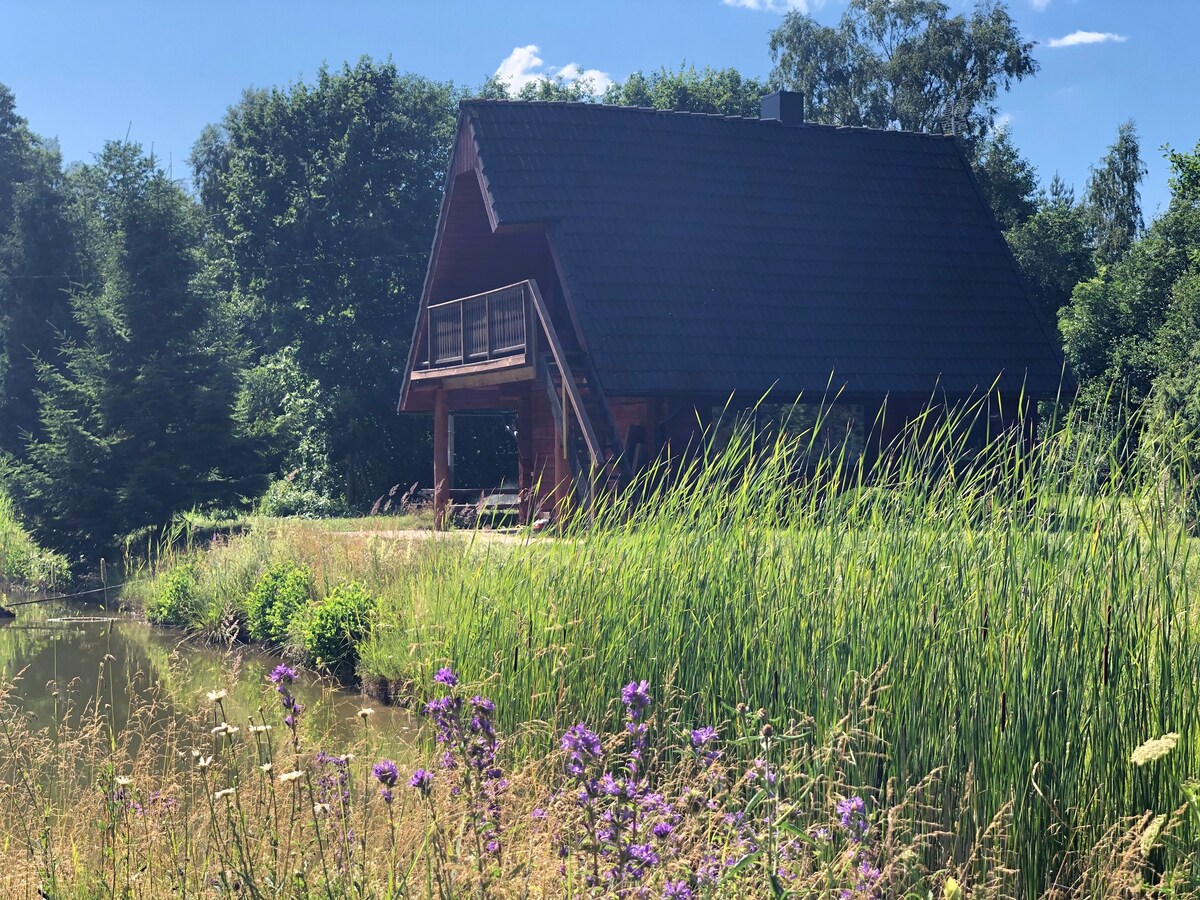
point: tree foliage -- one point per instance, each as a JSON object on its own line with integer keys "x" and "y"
{"x": 1114, "y": 197}
{"x": 323, "y": 199}
{"x": 723, "y": 92}
{"x": 37, "y": 268}
{"x": 137, "y": 420}
{"x": 904, "y": 64}
{"x": 1052, "y": 248}
{"x": 1135, "y": 324}
{"x": 1008, "y": 180}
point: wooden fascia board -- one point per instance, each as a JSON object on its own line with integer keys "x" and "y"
{"x": 438, "y": 236}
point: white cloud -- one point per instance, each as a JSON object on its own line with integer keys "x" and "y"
{"x": 516, "y": 70}
{"x": 523, "y": 66}
{"x": 571, "y": 73}
{"x": 777, "y": 6}
{"x": 1076, "y": 38}
{"x": 1039, "y": 5}
{"x": 1002, "y": 122}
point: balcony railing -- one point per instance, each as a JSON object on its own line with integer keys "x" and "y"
{"x": 478, "y": 329}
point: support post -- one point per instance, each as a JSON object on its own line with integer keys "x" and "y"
{"x": 562, "y": 473}
{"x": 441, "y": 459}
{"x": 525, "y": 460}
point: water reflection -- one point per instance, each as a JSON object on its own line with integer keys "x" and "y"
{"x": 74, "y": 660}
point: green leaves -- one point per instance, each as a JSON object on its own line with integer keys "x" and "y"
{"x": 323, "y": 198}
{"x": 906, "y": 64}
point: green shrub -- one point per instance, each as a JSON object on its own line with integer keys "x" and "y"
{"x": 289, "y": 498}
{"x": 281, "y": 592}
{"x": 22, "y": 562}
{"x": 177, "y": 601}
{"x": 333, "y": 629}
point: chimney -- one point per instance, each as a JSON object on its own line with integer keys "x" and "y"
{"x": 783, "y": 106}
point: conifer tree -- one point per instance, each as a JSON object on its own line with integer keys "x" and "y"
{"x": 137, "y": 422}
{"x": 37, "y": 267}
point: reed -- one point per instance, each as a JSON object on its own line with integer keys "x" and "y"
{"x": 1035, "y": 614}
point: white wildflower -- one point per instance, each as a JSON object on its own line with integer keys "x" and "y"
{"x": 217, "y": 696}
{"x": 290, "y": 776}
{"x": 1155, "y": 748}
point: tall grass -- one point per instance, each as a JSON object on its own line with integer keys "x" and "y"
{"x": 23, "y": 564}
{"x": 1036, "y": 615}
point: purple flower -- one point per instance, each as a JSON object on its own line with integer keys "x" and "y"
{"x": 702, "y": 737}
{"x": 662, "y": 830}
{"x": 636, "y": 696}
{"x": 868, "y": 871}
{"x": 644, "y": 854}
{"x": 582, "y": 745}
{"x": 422, "y": 780}
{"x": 386, "y": 773}
{"x": 677, "y": 890}
{"x": 852, "y": 814}
{"x": 282, "y": 675}
{"x": 446, "y": 676}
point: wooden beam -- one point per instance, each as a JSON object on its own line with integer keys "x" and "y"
{"x": 441, "y": 460}
{"x": 478, "y": 374}
{"x": 568, "y": 378}
{"x": 562, "y": 477}
{"x": 525, "y": 461}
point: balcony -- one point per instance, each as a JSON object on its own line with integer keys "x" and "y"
{"x": 483, "y": 331}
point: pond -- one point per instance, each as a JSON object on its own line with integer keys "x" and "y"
{"x": 71, "y": 661}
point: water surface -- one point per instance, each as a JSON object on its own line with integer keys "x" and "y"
{"x": 70, "y": 660}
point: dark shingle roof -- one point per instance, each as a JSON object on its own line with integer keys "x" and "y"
{"x": 713, "y": 254}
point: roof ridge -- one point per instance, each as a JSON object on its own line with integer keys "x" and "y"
{"x": 590, "y": 104}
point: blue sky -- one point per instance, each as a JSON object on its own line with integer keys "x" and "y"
{"x": 88, "y": 71}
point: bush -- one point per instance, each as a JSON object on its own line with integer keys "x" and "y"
{"x": 281, "y": 592}
{"x": 22, "y": 562}
{"x": 333, "y": 629}
{"x": 290, "y": 498}
{"x": 177, "y": 601}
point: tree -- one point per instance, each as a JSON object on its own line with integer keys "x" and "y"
{"x": 137, "y": 422}
{"x": 323, "y": 199}
{"x": 723, "y": 92}
{"x": 1052, "y": 248}
{"x": 1007, "y": 179}
{"x": 1134, "y": 326}
{"x": 904, "y": 64}
{"x": 37, "y": 267}
{"x": 1114, "y": 197}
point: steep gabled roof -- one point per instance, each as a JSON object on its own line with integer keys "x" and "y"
{"x": 711, "y": 254}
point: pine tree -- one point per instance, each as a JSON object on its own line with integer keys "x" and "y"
{"x": 137, "y": 422}
{"x": 37, "y": 267}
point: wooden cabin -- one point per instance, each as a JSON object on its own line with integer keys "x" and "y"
{"x": 612, "y": 274}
